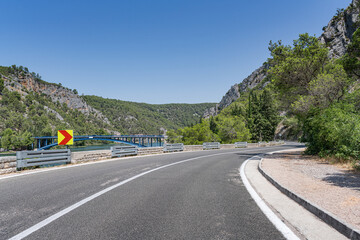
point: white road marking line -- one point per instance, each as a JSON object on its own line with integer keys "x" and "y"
{"x": 13, "y": 175}
{"x": 52, "y": 218}
{"x": 285, "y": 230}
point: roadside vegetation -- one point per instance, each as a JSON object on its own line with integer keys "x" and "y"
{"x": 142, "y": 118}
{"x": 314, "y": 96}
{"x": 253, "y": 117}
{"x": 25, "y": 114}
{"x": 318, "y": 96}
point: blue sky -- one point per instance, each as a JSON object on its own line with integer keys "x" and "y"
{"x": 153, "y": 51}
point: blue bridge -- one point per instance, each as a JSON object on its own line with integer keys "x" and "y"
{"x": 43, "y": 143}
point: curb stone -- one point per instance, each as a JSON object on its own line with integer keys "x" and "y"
{"x": 327, "y": 217}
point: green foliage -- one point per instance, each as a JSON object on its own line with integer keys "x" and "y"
{"x": 293, "y": 128}
{"x": 262, "y": 116}
{"x": 328, "y": 87}
{"x": 37, "y": 115}
{"x": 142, "y": 118}
{"x": 2, "y": 86}
{"x": 232, "y": 129}
{"x": 334, "y": 131}
{"x": 15, "y": 140}
{"x": 351, "y": 60}
{"x": 317, "y": 89}
{"x": 293, "y": 68}
{"x": 197, "y": 134}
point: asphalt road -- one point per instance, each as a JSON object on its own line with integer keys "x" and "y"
{"x": 202, "y": 198}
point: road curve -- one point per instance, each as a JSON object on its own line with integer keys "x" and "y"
{"x": 191, "y": 195}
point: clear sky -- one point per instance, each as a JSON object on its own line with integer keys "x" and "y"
{"x": 153, "y": 51}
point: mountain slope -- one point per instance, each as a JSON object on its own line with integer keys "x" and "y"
{"x": 336, "y": 37}
{"x": 132, "y": 117}
{"x": 35, "y": 107}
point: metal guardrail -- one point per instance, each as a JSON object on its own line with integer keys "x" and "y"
{"x": 211, "y": 145}
{"x": 173, "y": 147}
{"x": 121, "y": 151}
{"x": 241, "y": 145}
{"x": 38, "y": 158}
{"x": 262, "y": 144}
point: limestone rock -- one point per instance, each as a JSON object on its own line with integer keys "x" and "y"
{"x": 338, "y": 33}
{"x": 336, "y": 36}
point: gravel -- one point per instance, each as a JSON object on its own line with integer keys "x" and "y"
{"x": 333, "y": 188}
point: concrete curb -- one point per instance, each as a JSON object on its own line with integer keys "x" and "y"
{"x": 327, "y": 217}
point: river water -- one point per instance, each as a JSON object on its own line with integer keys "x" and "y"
{"x": 79, "y": 148}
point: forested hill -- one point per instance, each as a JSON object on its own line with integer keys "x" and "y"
{"x": 307, "y": 91}
{"x": 30, "y": 107}
{"x": 132, "y": 117}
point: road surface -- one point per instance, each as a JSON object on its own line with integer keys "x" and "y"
{"x": 190, "y": 195}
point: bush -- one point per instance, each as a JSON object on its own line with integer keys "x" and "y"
{"x": 334, "y": 131}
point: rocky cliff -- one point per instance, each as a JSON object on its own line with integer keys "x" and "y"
{"x": 336, "y": 36}
{"x": 255, "y": 78}
{"x": 24, "y": 83}
{"x": 338, "y": 33}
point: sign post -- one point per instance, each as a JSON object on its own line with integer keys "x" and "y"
{"x": 65, "y": 137}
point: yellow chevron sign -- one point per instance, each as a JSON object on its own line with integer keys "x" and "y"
{"x": 65, "y": 137}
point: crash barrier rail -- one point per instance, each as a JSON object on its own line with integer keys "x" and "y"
{"x": 241, "y": 145}
{"x": 174, "y": 147}
{"x": 262, "y": 144}
{"x": 211, "y": 145}
{"x": 121, "y": 151}
{"x": 39, "y": 158}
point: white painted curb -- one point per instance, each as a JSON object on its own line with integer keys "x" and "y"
{"x": 285, "y": 230}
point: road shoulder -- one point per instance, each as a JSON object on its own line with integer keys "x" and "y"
{"x": 304, "y": 224}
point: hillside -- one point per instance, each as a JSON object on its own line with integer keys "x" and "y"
{"x": 30, "y": 107}
{"x": 307, "y": 91}
{"x": 336, "y": 36}
{"x": 132, "y": 117}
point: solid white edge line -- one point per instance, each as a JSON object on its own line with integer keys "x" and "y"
{"x": 57, "y": 215}
{"x": 285, "y": 230}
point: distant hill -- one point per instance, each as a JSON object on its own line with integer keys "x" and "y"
{"x": 132, "y": 117}
{"x": 33, "y": 106}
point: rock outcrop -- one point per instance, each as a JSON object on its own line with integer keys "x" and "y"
{"x": 229, "y": 97}
{"x": 27, "y": 83}
{"x": 336, "y": 36}
{"x": 338, "y": 33}
{"x": 255, "y": 78}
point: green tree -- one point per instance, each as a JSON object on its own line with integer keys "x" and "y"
{"x": 293, "y": 68}
{"x": 2, "y": 86}
{"x": 6, "y": 139}
{"x": 328, "y": 87}
{"x": 232, "y": 129}
{"x": 213, "y": 126}
{"x": 269, "y": 114}
{"x": 351, "y": 60}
